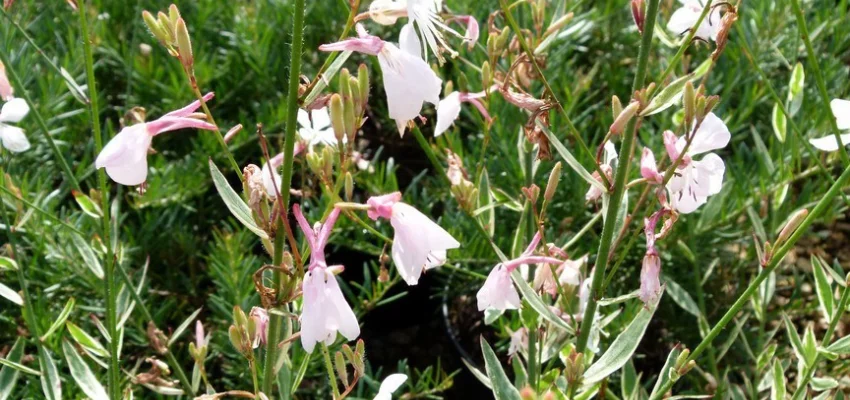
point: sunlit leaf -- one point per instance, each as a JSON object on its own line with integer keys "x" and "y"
{"x": 88, "y": 205}
{"x": 82, "y": 374}
{"x": 11, "y": 295}
{"x": 9, "y": 375}
{"x": 85, "y": 340}
{"x": 234, "y": 203}
{"x": 60, "y": 320}
{"x": 502, "y": 387}
{"x": 182, "y": 328}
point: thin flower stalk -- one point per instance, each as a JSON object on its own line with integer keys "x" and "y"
{"x": 110, "y": 290}
{"x": 276, "y": 320}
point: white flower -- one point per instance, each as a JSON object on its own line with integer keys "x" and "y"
{"x": 683, "y": 20}
{"x": 519, "y": 341}
{"x": 449, "y": 109}
{"x": 841, "y": 111}
{"x": 325, "y": 311}
{"x": 408, "y": 80}
{"x": 125, "y": 157}
{"x": 424, "y": 14}
{"x": 13, "y": 138}
{"x": 498, "y": 291}
{"x": 418, "y": 243}
{"x": 695, "y": 180}
{"x": 316, "y": 128}
{"x": 571, "y": 271}
{"x": 389, "y": 385}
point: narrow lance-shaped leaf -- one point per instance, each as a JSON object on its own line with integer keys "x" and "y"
{"x": 572, "y": 162}
{"x": 795, "y": 89}
{"x": 622, "y": 348}
{"x": 663, "y": 375}
{"x": 51, "y": 385}
{"x": 82, "y": 374}
{"x": 89, "y": 258}
{"x": 182, "y": 328}
{"x": 502, "y": 387}
{"x": 672, "y": 93}
{"x": 681, "y": 297}
{"x": 60, "y": 320}
{"x": 823, "y": 288}
{"x": 485, "y": 201}
{"x": 777, "y": 390}
{"x": 87, "y": 341}
{"x": 11, "y": 295}
{"x": 537, "y": 303}
{"x": 794, "y": 338}
{"x": 779, "y": 123}
{"x": 9, "y": 375}
{"x": 88, "y": 205}
{"x": 8, "y": 264}
{"x": 234, "y": 203}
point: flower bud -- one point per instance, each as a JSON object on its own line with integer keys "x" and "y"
{"x": 345, "y": 83}
{"x": 235, "y": 337}
{"x": 349, "y": 186}
{"x": 337, "y": 116}
{"x": 349, "y": 119}
{"x": 650, "y": 285}
{"x": 486, "y": 75}
{"x": 625, "y": 116}
{"x": 315, "y": 162}
{"x": 688, "y": 102}
{"x": 683, "y": 356}
{"x": 157, "y": 30}
{"x": 184, "y": 44}
{"x": 558, "y": 24}
{"x": 360, "y": 352}
{"x": 502, "y": 39}
{"x": 232, "y": 133}
{"x": 527, "y": 393}
{"x": 363, "y": 86}
{"x": 328, "y": 161}
{"x": 173, "y": 14}
{"x": 339, "y": 366}
{"x": 616, "y": 106}
{"x": 793, "y": 223}
{"x": 168, "y": 28}
{"x": 552, "y": 185}
{"x": 639, "y": 14}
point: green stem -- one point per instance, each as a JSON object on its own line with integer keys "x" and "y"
{"x": 827, "y": 336}
{"x": 16, "y": 82}
{"x": 330, "y": 367}
{"x": 742, "y": 301}
{"x": 815, "y": 67}
{"x": 35, "y": 46}
{"x": 530, "y": 230}
{"x": 620, "y": 178}
{"x": 39, "y": 210}
{"x": 114, "y": 371}
{"x": 685, "y": 43}
{"x": 254, "y": 377}
{"x": 274, "y": 333}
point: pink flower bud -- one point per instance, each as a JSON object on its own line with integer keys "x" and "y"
{"x": 650, "y": 285}
{"x": 639, "y": 13}
{"x": 261, "y": 319}
{"x": 648, "y": 168}
{"x": 382, "y": 206}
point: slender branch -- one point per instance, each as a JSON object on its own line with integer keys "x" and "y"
{"x": 111, "y": 294}
{"x": 777, "y": 257}
{"x": 615, "y": 200}
{"x": 815, "y": 67}
{"x": 331, "y": 374}
{"x": 286, "y": 183}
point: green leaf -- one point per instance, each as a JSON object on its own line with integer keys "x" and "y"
{"x": 795, "y": 89}
{"x": 485, "y": 201}
{"x": 779, "y": 123}
{"x": 82, "y": 374}
{"x": 51, "y": 385}
{"x": 667, "y": 96}
{"x": 537, "y": 303}
{"x": 87, "y": 341}
{"x": 9, "y": 375}
{"x": 681, "y": 297}
{"x": 823, "y": 288}
{"x": 622, "y": 348}
{"x": 663, "y": 375}
{"x": 182, "y": 328}
{"x": 777, "y": 390}
{"x": 821, "y": 384}
{"x": 502, "y": 387}
{"x": 59, "y": 321}
{"x": 572, "y": 162}
{"x": 810, "y": 346}
{"x": 20, "y": 367}
{"x": 765, "y": 356}
{"x": 840, "y": 346}
{"x": 322, "y": 83}
{"x": 11, "y": 295}
{"x": 89, "y": 258}
{"x": 234, "y": 203}
{"x": 88, "y": 205}
{"x": 482, "y": 377}
{"x": 8, "y": 263}
{"x": 794, "y": 338}
{"x": 629, "y": 382}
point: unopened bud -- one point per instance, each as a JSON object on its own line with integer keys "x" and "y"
{"x": 687, "y": 368}
{"x": 383, "y": 275}
{"x": 683, "y": 356}
{"x": 354, "y": 85}
{"x": 157, "y": 30}
{"x": 710, "y": 103}
{"x": 345, "y": 83}
{"x": 558, "y": 24}
{"x": 173, "y": 14}
{"x": 689, "y": 102}
{"x": 235, "y": 337}
{"x": 184, "y": 44}
{"x": 363, "y": 86}
{"x": 337, "y": 116}
{"x": 502, "y": 39}
{"x": 700, "y": 108}
{"x": 532, "y": 192}
{"x": 167, "y": 26}
{"x": 349, "y": 186}
{"x": 232, "y": 133}
{"x": 527, "y": 394}
{"x": 791, "y": 226}
{"x": 552, "y": 185}
{"x": 314, "y": 161}
{"x": 486, "y": 75}
{"x": 239, "y": 317}
{"x": 625, "y": 116}
{"x": 360, "y": 360}
{"x": 639, "y": 14}
{"x": 349, "y": 120}
{"x": 339, "y": 365}
{"x": 328, "y": 161}
{"x": 616, "y": 106}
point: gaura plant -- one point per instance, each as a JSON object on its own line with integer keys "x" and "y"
{"x": 569, "y": 305}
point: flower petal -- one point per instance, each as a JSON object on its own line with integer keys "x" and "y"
{"x": 447, "y": 112}
{"x": 841, "y": 110}
{"x": 14, "y": 110}
{"x": 418, "y": 243}
{"x": 408, "y": 41}
{"x": 13, "y": 138}
{"x": 125, "y": 156}
{"x": 131, "y": 173}
{"x": 408, "y": 82}
{"x": 711, "y": 135}
{"x": 829, "y": 143}
{"x": 346, "y": 321}
{"x": 389, "y": 385}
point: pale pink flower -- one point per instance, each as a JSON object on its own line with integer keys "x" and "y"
{"x": 695, "y": 180}
{"x": 684, "y": 19}
{"x": 201, "y": 340}
{"x": 519, "y": 341}
{"x": 387, "y": 12}
{"x": 12, "y": 137}
{"x": 841, "y": 113}
{"x": 389, "y": 385}
{"x": 650, "y": 285}
{"x": 418, "y": 242}
{"x": 571, "y": 271}
{"x": 261, "y": 321}
{"x": 648, "y": 167}
{"x": 498, "y": 292}
{"x": 125, "y": 157}
{"x": 409, "y": 81}
{"x": 325, "y": 311}
{"x": 317, "y": 236}
{"x": 594, "y": 193}
{"x": 449, "y": 109}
